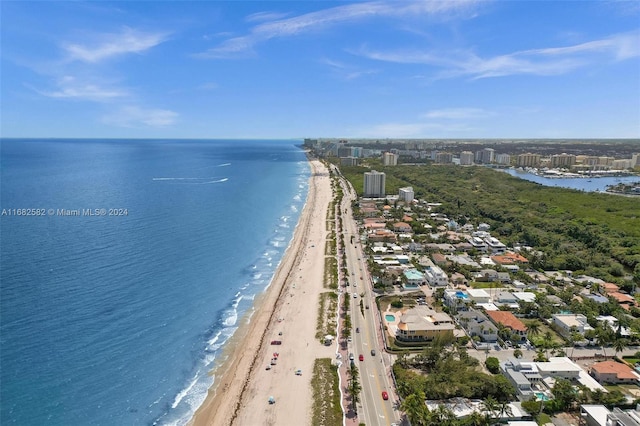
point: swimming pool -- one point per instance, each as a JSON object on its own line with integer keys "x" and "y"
{"x": 461, "y": 295}
{"x": 541, "y": 396}
{"x": 390, "y": 318}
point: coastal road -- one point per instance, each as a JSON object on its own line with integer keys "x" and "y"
{"x": 374, "y": 368}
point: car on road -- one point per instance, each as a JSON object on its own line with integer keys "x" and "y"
{"x": 276, "y": 342}
{"x": 355, "y": 295}
{"x": 357, "y": 329}
{"x": 385, "y": 395}
{"x": 373, "y": 352}
{"x": 351, "y": 357}
{"x": 361, "y": 357}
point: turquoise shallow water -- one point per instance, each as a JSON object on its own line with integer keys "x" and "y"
{"x": 117, "y": 319}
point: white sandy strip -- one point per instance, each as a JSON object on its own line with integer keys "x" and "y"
{"x": 243, "y": 385}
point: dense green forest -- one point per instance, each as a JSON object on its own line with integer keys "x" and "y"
{"x": 593, "y": 233}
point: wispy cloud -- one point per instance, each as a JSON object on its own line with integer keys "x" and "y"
{"x": 135, "y": 116}
{"x": 69, "y": 87}
{"x": 265, "y": 16}
{"x": 547, "y": 61}
{"x": 322, "y": 19}
{"x": 114, "y": 44}
{"x": 345, "y": 71}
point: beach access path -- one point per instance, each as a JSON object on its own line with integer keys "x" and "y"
{"x": 242, "y": 388}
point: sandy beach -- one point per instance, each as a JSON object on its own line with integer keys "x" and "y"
{"x": 243, "y": 385}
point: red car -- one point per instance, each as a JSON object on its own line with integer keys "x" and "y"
{"x": 361, "y": 357}
{"x": 385, "y": 395}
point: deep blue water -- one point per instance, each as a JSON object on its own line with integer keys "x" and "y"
{"x": 592, "y": 184}
{"x": 109, "y": 320}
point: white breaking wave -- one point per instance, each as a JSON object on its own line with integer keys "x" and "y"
{"x": 223, "y": 165}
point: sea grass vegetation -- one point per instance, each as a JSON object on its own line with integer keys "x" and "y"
{"x": 593, "y": 233}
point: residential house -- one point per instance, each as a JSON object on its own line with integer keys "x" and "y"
{"x": 402, "y": 227}
{"x": 495, "y": 246}
{"x": 509, "y": 321}
{"x": 458, "y": 279}
{"x": 414, "y": 277}
{"x": 439, "y": 259}
{"x": 612, "y": 322}
{"x": 612, "y": 372}
{"x": 436, "y": 277}
{"x": 486, "y": 275}
{"x": 423, "y": 324}
{"x": 456, "y": 300}
{"x": 478, "y": 295}
{"x": 566, "y": 323}
{"x": 477, "y": 324}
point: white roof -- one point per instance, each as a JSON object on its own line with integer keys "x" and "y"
{"x": 477, "y": 292}
{"x": 558, "y": 363}
{"x": 597, "y": 412}
{"x": 487, "y": 306}
{"x": 525, "y": 296}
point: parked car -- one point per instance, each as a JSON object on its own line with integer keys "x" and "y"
{"x": 385, "y": 395}
{"x": 361, "y": 357}
{"x": 373, "y": 352}
{"x": 276, "y": 342}
{"x": 351, "y": 357}
{"x": 357, "y": 329}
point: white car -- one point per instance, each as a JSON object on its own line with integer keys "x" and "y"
{"x": 355, "y": 295}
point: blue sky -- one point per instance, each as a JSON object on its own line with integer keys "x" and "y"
{"x": 260, "y": 69}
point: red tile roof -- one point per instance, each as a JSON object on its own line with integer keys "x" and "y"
{"x": 622, "y": 371}
{"x": 507, "y": 319}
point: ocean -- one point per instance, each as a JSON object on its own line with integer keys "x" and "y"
{"x": 126, "y": 265}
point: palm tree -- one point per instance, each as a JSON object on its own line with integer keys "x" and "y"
{"x": 505, "y": 409}
{"x": 415, "y": 408}
{"x": 620, "y": 345}
{"x": 491, "y": 407}
{"x": 533, "y": 328}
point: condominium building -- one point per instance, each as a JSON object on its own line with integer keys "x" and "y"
{"x": 444, "y": 158}
{"x": 486, "y": 156}
{"x": 504, "y": 159}
{"x": 528, "y": 160}
{"x": 466, "y": 158}
{"x": 374, "y": 184}
{"x": 389, "y": 159}
{"x": 563, "y": 160}
{"x": 406, "y": 194}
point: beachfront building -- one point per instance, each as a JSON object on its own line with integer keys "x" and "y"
{"x": 486, "y": 156}
{"x": 613, "y": 372}
{"x": 423, "y": 324}
{"x": 565, "y": 161}
{"x": 565, "y": 324}
{"x": 374, "y": 184}
{"x": 406, "y": 194}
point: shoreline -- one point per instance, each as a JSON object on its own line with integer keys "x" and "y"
{"x": 233, "y": 391}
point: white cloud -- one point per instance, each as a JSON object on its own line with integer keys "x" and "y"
{"x": 315, "y": 21}
{"x": 135, "y": 116}
{"x": 547, "y": 61}
{"x": 114, "y": 44}
{"x": 265, "y": 16}
{"x": 70, "y": 88}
